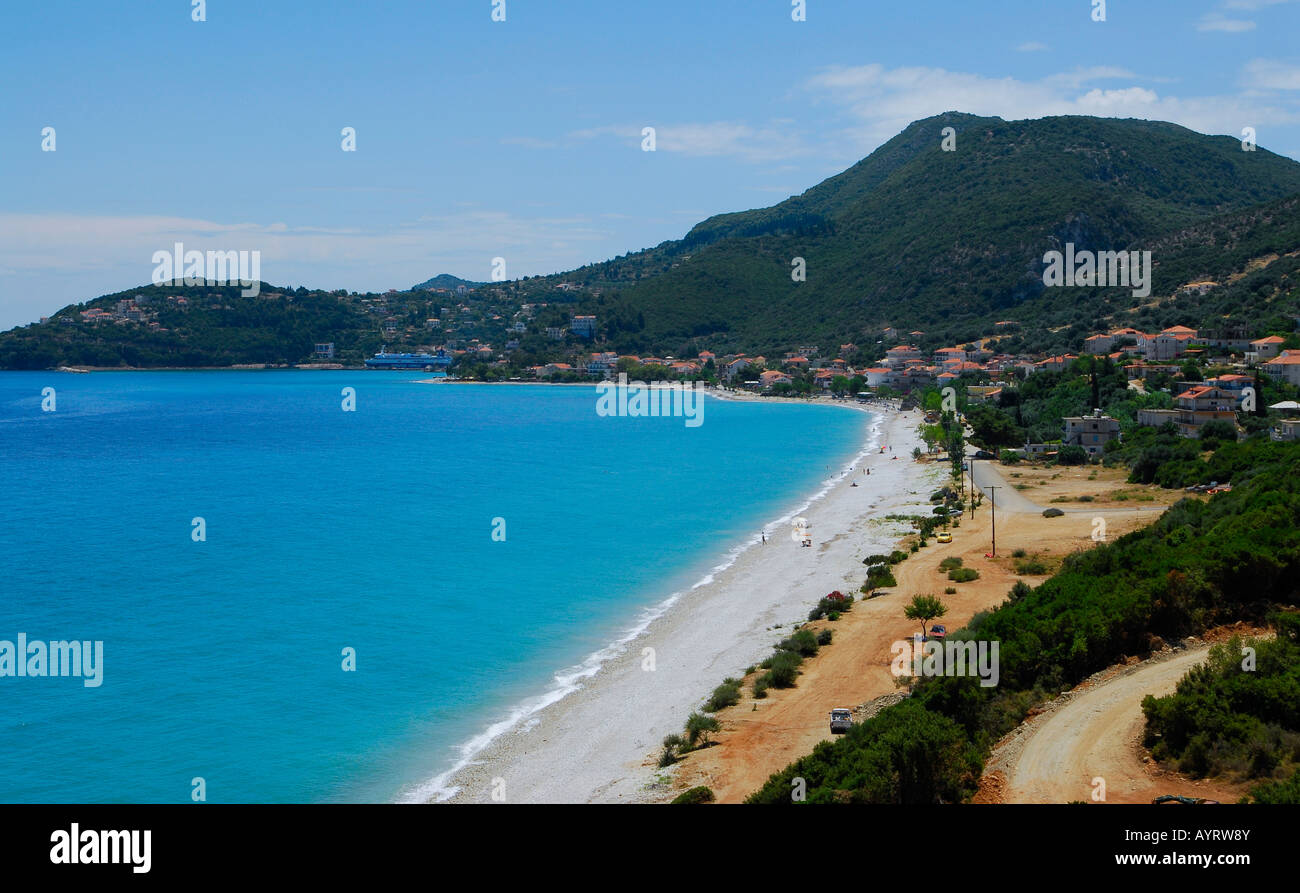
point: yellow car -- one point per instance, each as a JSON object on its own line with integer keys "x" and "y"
{"x": 945, "y": 537}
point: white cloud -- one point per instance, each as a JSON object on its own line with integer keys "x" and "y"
{"x": 1215, "y": 22}
{"x": 775, "y": 141}
{"x": 1270, "y": 74}
{"x": 1253, "y": 4}
{"x": 878, "y": 102}
{"x": 1033, "y": 46}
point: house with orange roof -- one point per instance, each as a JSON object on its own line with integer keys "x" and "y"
{"x": 983, "y": 393}
{"x": 734, "y": 368}
{"x": 1262, "y": 349}
{"x": 1285, "y": 367}
{"x": 1200, "y": 405}
{"x": 823, "y": 378}
{"x": 877, "y": 376}
{"x": 1098, "y": 344}
{"x": 904, "y": 353}
{"x": 773, "y": 377}
{"x": 1055, "y": 364}
{"x": 1169, "y": 344}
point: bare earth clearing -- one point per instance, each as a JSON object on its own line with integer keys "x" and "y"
{"x": 761, "y": 737}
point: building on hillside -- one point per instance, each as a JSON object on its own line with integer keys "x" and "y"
{"x": 1145, "y": 371}
{"x": 1201, "y": 405}
{"x": 1154, "y": 418}
{"x": 1285, "y": 367}
{"x": 1287, "y": 429}
{"x": 983, "y": 393}
{"x": 877, "y": 376}
{"x": 1233, "y": 384}
{"x": 898, "y": 356}
{"x": 1098, "y": 344}
{"x": 583, "y": 326}
{"x": 1055, "y": 364}
{"x": 1263, "y": 349}
{"x": 1091, "y": 432}
{"x": 325, "y": 350}
{"x": 1169, "y": 344}
{"x": 734, "y": 368}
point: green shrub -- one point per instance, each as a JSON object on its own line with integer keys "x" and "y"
{"x": 949, "y": 564}
{"x": 1031, "y": 568}
{"x": 725, "y": 695}
{"x": 672, "y": 748}
{"x": 963, "y": 574}
{"x": 698, "y": 794}
{"x": 698, "y": 727}
{"x": 950, "y": 590}
{"x": 1052, "y": 513}
{"x": 804, "y": 643}
{"x": 784, "y": 669}
{"x": 831, "y": 604}
{"x": 824, "y": 637}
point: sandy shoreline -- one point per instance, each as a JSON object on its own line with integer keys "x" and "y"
{"x": 597, "y": 743}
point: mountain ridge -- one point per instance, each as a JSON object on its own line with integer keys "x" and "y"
{"x": 912, "y": 235}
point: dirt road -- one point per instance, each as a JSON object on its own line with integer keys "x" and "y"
{"x": 1096, "y": 733}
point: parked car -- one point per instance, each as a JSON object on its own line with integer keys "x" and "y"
{"x": 938, "y": 631}
{"x": 841, "y": 720}
{"x": 1174, "y": 798}
{"x": 984, "y": 454}
{"x": 944, "y": 537}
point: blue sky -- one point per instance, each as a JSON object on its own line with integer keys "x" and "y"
{"x": 522, "y": 139}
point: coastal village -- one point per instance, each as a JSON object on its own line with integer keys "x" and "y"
{"x": 484, "y": 338}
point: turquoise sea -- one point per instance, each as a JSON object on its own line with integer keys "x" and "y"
{"x": 326, "y": 530}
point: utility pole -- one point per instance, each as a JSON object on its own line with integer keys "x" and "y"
{"x": 994, "y": 501}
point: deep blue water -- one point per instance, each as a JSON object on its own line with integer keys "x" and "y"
{"x": 329, "y": 529}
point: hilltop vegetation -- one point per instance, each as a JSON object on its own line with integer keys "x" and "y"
{"x": 950, "y": 241}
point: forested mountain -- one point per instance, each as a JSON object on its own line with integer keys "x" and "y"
{"x": 913, "y": 236}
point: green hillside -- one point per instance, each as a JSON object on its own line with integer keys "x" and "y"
{"x": 911, "y": 236}
{"x": 917, "y": 237}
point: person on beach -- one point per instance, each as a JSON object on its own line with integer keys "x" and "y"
{"x": 765, "y": 537}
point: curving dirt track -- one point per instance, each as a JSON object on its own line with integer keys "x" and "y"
{"x": 1096, "y": 732}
